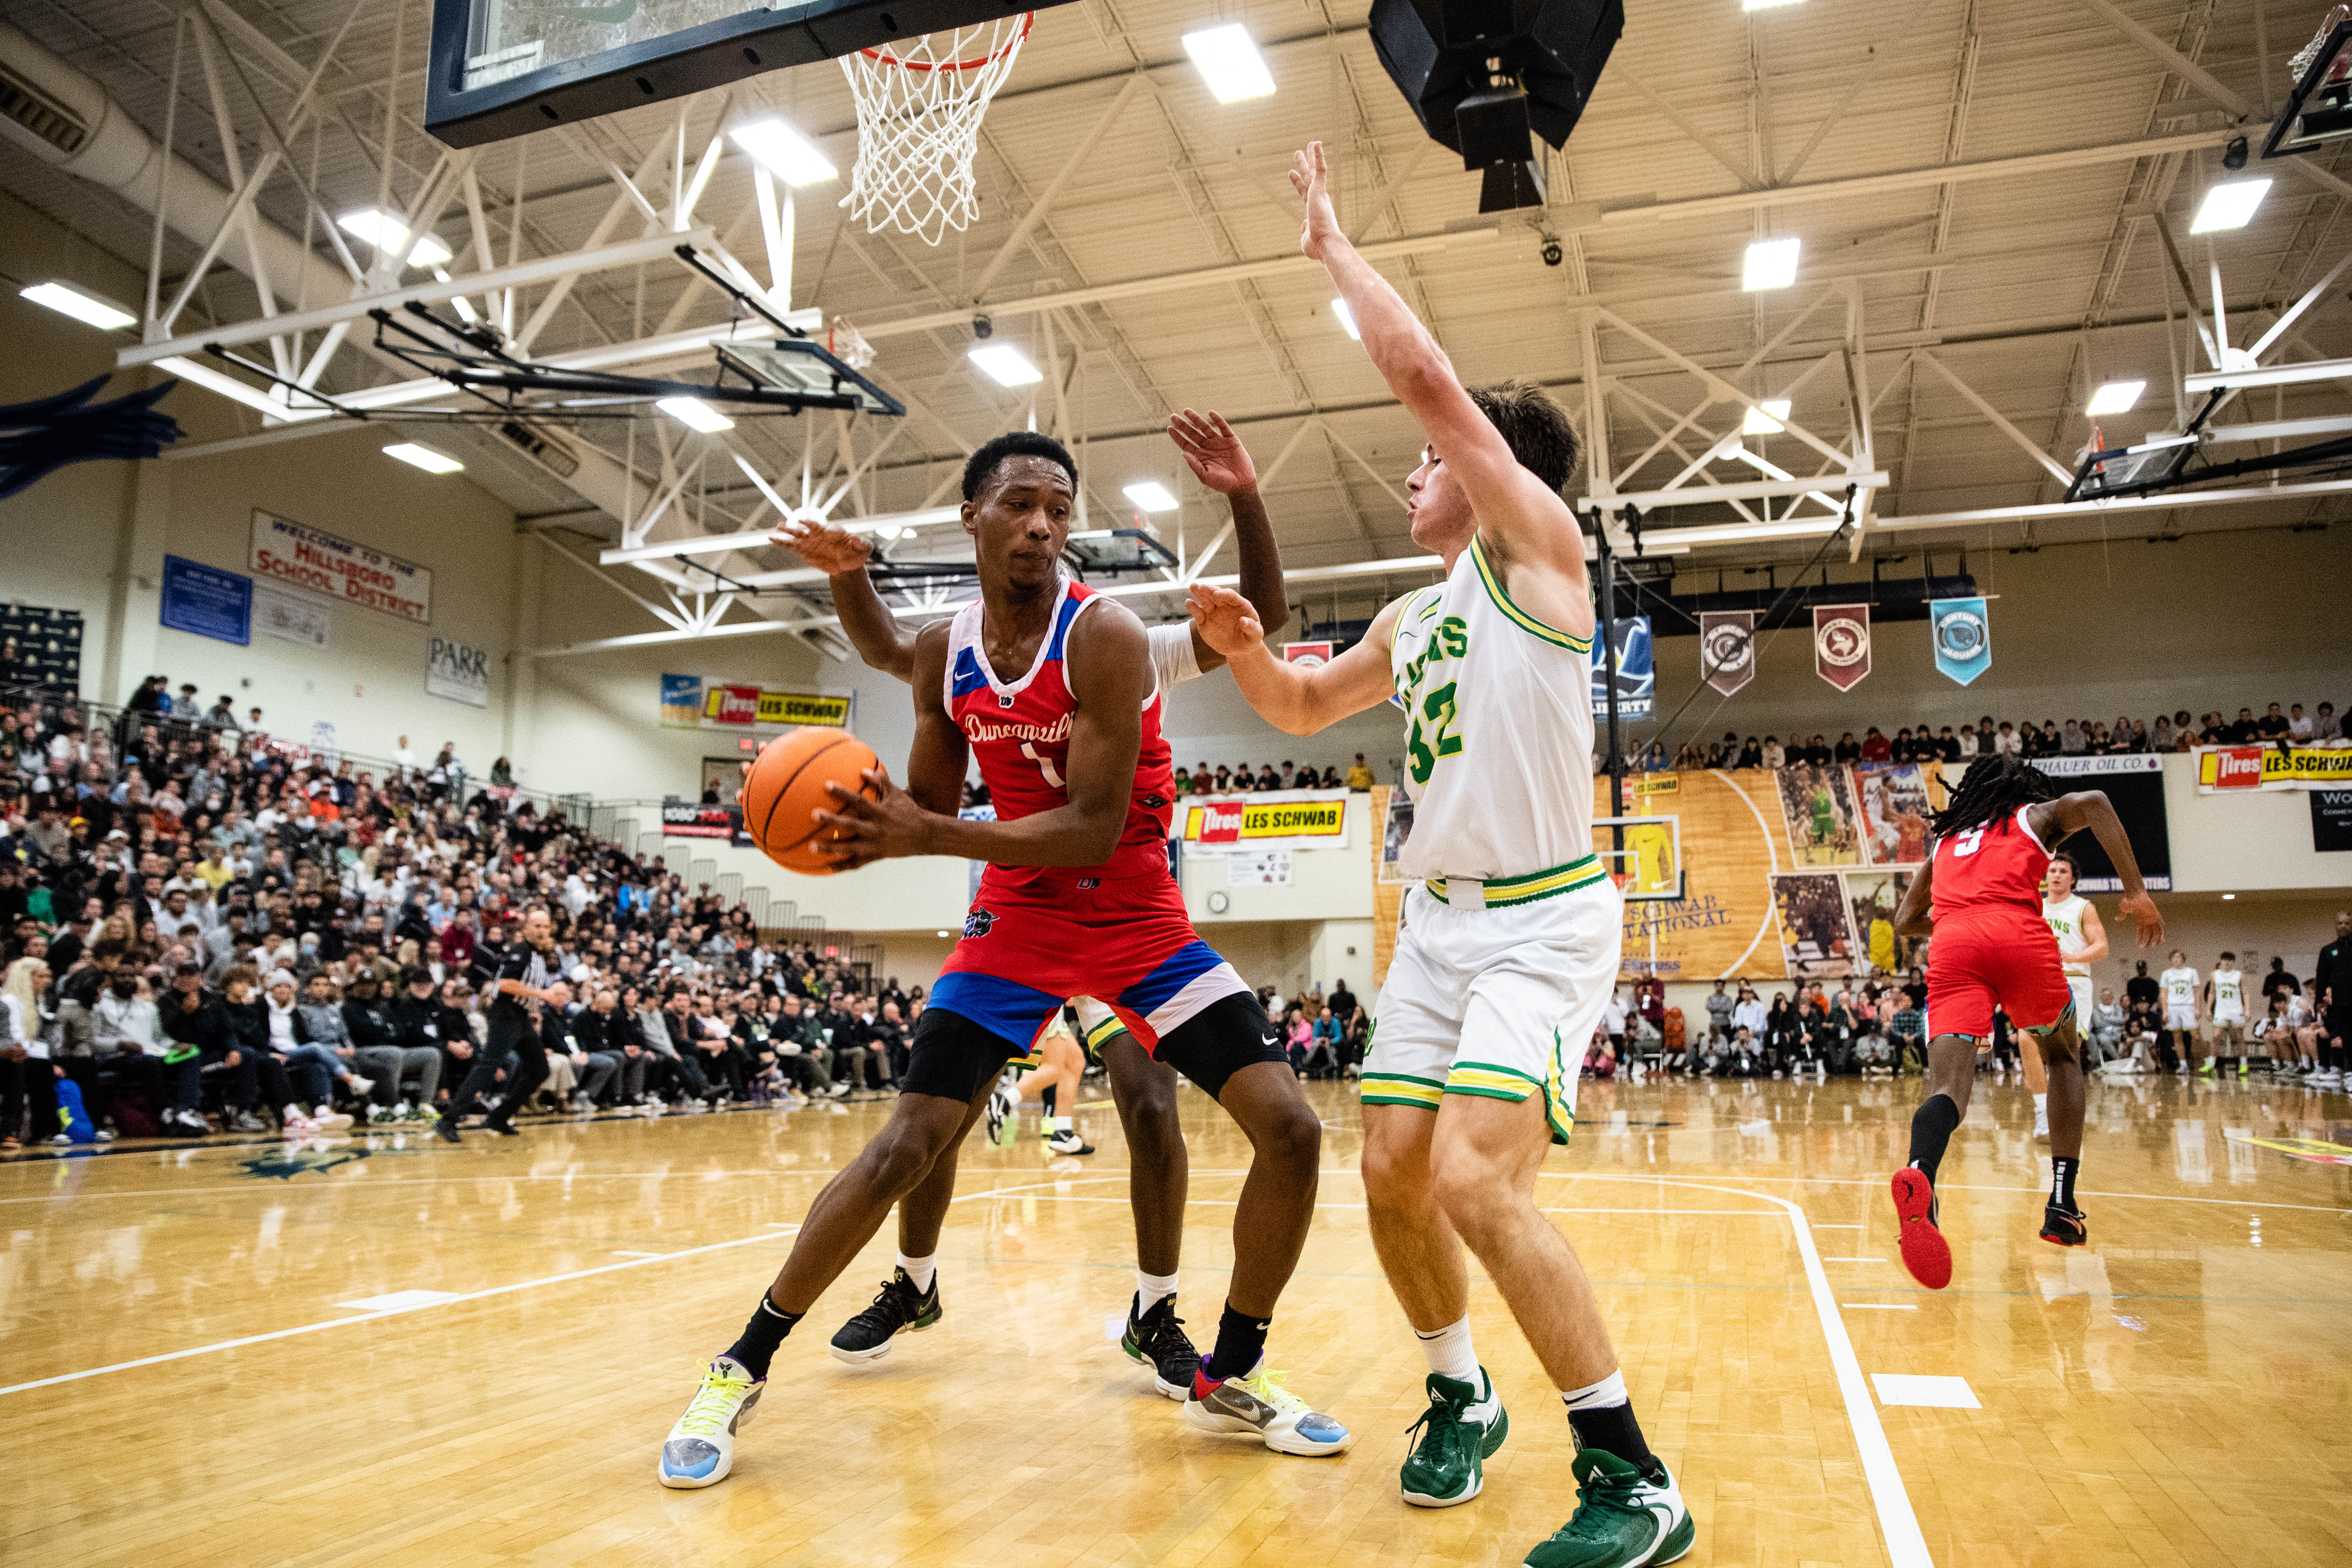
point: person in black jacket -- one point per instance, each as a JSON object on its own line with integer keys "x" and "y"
{"x": 197, "y": 1026}
{"x": 378, "y": 1039}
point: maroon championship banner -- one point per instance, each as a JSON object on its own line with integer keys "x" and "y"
{"x": 1842, "y": 644}
{"x": 1727, "y": 646}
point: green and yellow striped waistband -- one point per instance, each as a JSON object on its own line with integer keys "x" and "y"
{"x": 1501, "y": 893}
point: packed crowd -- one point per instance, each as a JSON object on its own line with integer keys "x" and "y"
{"x": 197, "y": 927}
{"x": 2073, "y": 737}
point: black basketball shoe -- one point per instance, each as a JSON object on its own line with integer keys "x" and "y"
{"x": 865, "y": 1338}
{"x": 1158, "y": 1339}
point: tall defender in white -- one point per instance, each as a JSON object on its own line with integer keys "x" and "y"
{"x": 1509, "y": 949}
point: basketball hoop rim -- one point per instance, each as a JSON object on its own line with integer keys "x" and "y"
{"x": 884, "y": 57}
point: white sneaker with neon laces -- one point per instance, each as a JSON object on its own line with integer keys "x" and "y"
{"x": 1261, "y": 1406}
{"x": 700, "y": 1449}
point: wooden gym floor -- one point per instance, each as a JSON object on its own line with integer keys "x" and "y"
{"x": 192, "y": 1375}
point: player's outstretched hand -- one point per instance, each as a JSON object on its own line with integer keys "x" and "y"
{"x": 871, "y": 830}
{"x": 1310, "y": 176}
{"x": 831, "y": 551}
{"x": 1212, "y": 450}
{"x": 1226, "y": 621}
{"x": 2142, "y": 912}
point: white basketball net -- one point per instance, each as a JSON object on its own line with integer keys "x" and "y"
{"x": 918, "y": 108}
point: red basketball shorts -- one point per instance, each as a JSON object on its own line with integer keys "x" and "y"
{"x": 1973, "y": 966}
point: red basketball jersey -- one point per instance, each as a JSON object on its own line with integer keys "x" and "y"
{"x": 1019, "y": 732}
{"x": 1992, "y": 870}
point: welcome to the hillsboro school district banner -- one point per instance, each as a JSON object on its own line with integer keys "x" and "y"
{"x": 326, "y": 563}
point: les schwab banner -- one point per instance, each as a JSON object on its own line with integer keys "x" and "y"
{"x": 688, "y": 703}
{"x": 2225, "y": 770}
{"x": 1300, "y": 819}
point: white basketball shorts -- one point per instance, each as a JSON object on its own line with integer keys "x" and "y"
{"x": 1523, "y": 984}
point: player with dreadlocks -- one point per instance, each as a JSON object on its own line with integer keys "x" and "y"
{"x": 1983, "y": 882}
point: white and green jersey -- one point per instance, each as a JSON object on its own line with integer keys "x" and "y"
{"x": 2064, "y": 918}
{"x": 2179, "y": 990}
{"x": 1499, "y": 733}
{"x": 2228, "y": 997}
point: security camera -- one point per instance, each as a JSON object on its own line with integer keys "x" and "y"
{"x": 1553, "y": 254}
{"x": 982, "y": 327}
{"x": 2233, "y": 156}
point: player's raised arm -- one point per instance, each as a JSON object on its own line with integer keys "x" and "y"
{"x": 1298, "y": 700}
{"x": 842, "y": 556}
{"x": 1219, "y": 460}
{"x": 1109, "y": 672}
{"x": 2068, "y": 814}
{"x": 1515, "y": 508}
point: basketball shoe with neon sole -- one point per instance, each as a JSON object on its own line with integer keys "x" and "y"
{"x": 1459, "y": 1433}
{"x": 1260, "y": 1406}
{"x": 2063, "y": 1226}
{"x": 866, "y": 1337}
{"x": 700, "y": 1449}
{"x": 1624, "y": 1519}
{"x": 1926, "y": 1253}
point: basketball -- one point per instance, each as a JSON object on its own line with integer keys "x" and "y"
{"x": 786, "y": 786}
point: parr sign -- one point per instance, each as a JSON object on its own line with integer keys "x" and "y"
{"x": 326, "y": 563}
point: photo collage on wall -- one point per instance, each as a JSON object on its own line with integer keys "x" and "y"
{"x": 1853, "y": 828}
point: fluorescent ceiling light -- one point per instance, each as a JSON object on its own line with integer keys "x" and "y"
{"x": 2229, "y": 206}
{"x": 1767, "y": 420}
{"x": 424, "y": 457}
{"x": 2115, "y": 397}
{"x": 1771, "y": 264}
{"x": 1229, "y": 62}
{"x": 1150, "y": 495}
{"x": 67, "y": 299}
{"x": 1346, "y": 319}
{"x": 789, "y": 155}
{"x": 387, "y": 233}
{"x": 1763, "y": 4}
{"x": 1008, "y": 366}
{"x": 695, "y": 414}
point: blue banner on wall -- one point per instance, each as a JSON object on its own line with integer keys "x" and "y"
{"x": 207, "y": 601}
{"x": 1963, "y": 636}
{"x": 1637, "y": 676}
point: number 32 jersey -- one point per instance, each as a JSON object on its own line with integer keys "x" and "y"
{"x": 1498, "y": 731}
{"x": 1020, "y": 734}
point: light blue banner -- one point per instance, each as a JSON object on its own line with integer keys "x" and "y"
{"x": 1963, "y": 636}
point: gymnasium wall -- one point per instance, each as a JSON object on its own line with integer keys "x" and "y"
{"x": 92, "y": 537}
{"x": 2209, "y": 621}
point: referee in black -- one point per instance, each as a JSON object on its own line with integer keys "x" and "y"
{"x": 516, "y": 978}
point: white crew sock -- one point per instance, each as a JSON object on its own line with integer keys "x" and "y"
{"x": 1150, "y": 1289}
{"x": 1609, "y": 1391}
{"x": 919, "y": 1269}
{"x": 1066, "y": 1124}
{"x": 1450, "y": 1351}
{"x": 2041, "y": 1107}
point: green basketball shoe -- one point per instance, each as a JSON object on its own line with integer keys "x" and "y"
{"x": 1623, "y": 1519}
{"x": 1459, "y": 1433}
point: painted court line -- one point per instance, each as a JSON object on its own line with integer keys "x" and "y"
{"x": 1898, "y": 1525}
{"x": 370, "y": 1316}
{"x": 1927, "y": 1393}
